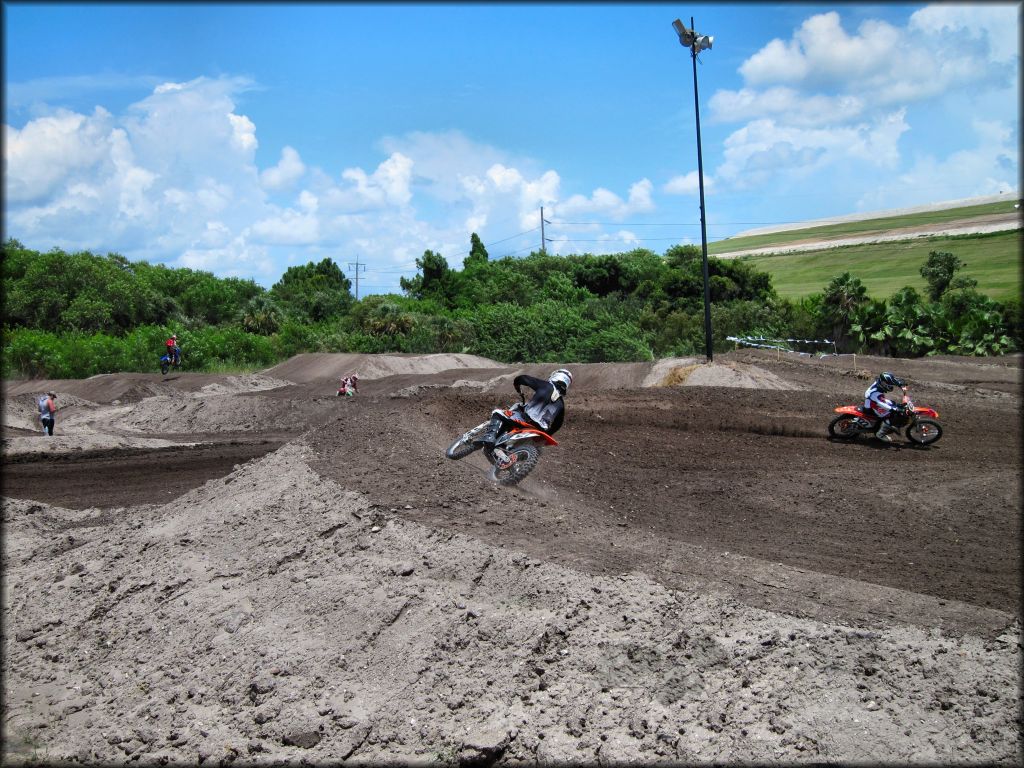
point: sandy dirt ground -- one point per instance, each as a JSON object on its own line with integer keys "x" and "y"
{"x": 250, "y": 569}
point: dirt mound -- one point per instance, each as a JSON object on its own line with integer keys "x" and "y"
{"x": 306, "y": 368}
{"x": 253, "y": 382}
{"x": 695, "y": 573}
{"x": 116, "y": 388}
{"x": 203, "y": 413}
{"x": 667, "y": 372}
{"x": 259, "y": 620}
{"x": 732, "y": 374}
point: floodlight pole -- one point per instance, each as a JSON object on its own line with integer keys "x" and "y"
{"x": 694, "y": 44}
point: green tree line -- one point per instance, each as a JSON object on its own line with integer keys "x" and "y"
{"x": 69, "y": 315}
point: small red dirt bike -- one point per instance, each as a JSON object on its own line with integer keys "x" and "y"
{"x": 921, "y": 427}
{"x": 516, "y": 450}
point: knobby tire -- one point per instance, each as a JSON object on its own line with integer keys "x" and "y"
{"x": 526, "y": 456}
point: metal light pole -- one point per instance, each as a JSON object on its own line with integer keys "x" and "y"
{"x": 696, "y": 43}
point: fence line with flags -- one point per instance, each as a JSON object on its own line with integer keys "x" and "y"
{"x": 784, "y": 345}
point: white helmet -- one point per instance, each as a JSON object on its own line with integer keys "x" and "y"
{"x": 563, "y": 377}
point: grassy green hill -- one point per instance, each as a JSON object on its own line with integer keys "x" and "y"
{"x": 993, "y": 259}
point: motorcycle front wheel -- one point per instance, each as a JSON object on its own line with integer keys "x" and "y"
{"x": 924, "y": 432}
{"x": 464, "y": 445}
{"x": 524, "y": 458}
{"x": 163, "y": 368}
{"x": 843, "y": 427}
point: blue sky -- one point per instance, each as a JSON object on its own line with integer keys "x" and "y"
{"x": 243, "y": 138}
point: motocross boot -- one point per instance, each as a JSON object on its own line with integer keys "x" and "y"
{"x": 490, "y": 435}
{"x": 883, "y": 433}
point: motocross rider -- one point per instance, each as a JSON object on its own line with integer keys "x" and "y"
{"x": 173, "y": 350}
{"x": 877, "y": 403}
{"x": 546, "y": 408}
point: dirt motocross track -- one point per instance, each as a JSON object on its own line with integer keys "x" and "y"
{"x": 249, "y": 569}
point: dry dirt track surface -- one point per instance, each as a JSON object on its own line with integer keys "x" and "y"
{"x": 250, "y": 569}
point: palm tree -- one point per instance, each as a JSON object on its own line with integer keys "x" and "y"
{"x": 261, "y": 316}
{"x": 841, "y": 303}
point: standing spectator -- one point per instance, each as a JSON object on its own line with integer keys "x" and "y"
{"x": 48, "y": 412}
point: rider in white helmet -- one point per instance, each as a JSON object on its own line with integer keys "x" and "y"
{"x": 546, "y": 409}
{"x": 876, "y": 402}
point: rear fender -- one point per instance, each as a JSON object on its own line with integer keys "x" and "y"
{"x": 850, "y": 410}
{"x": 515, "y": 435}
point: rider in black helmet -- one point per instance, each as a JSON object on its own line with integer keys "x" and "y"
{"x": 876, "y": 402}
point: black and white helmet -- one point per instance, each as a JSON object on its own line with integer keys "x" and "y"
{"x": 561, "y": 377}
{"x": 886, "y": 381}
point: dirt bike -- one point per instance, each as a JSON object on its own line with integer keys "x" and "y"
{"x": 921, "y": 427}
{"x": 516, "y": 450}
{"x": 166, "y": 363}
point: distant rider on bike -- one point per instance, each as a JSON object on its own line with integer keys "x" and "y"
{"x": 876, "y": 402}
{"x": 349, "y": 385}
{"x": 546, "y": 408}
{"x": 173, "y": 350}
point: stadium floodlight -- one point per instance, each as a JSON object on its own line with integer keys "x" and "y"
{"x": 697, "y": 43}
{"x": 685, "y": 35}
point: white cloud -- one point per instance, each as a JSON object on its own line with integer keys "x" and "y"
{"x": 688, "y": 184}
{"x": 51, "y": 150}
{"x": 886, "y": 65}
{"x": 288, "y": 228}
{"x": 835, "y": 109}
{"x": 821, "y": 51}
{"x": 787, "y": 105}
{"x": 388, "y": 185}
{"x": 997, "y": 25}
{"x": 288, "y": 170}
{"x": 145, "y": 183}
{"x": 174, "y": 179}
{"x": 445, "y": 159}
{"x": 235, "y": 258}
{"x": 764, "y": 149}
{"x": 604, "y": 203}
{"x": 308, "y": 201}
{"x": 988, "y": 167}
{"x": 243, "y": 132}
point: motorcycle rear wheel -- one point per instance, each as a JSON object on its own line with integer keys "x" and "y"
{"x": 924, "y": 432}
{"x": 525, "y": 458}
{"x": 163, "y": 368}
{"x": 843, "y": 427}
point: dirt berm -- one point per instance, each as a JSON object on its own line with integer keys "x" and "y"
{"x": 252, "y": 570}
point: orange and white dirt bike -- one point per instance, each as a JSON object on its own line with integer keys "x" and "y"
{"x": 917, "y": 423}
{"x": 516, "y": 450}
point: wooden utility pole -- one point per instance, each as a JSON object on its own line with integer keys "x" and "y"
{"x": 543, "y": 240}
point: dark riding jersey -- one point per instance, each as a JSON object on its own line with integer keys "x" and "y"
{"x": 546, "y": 408}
